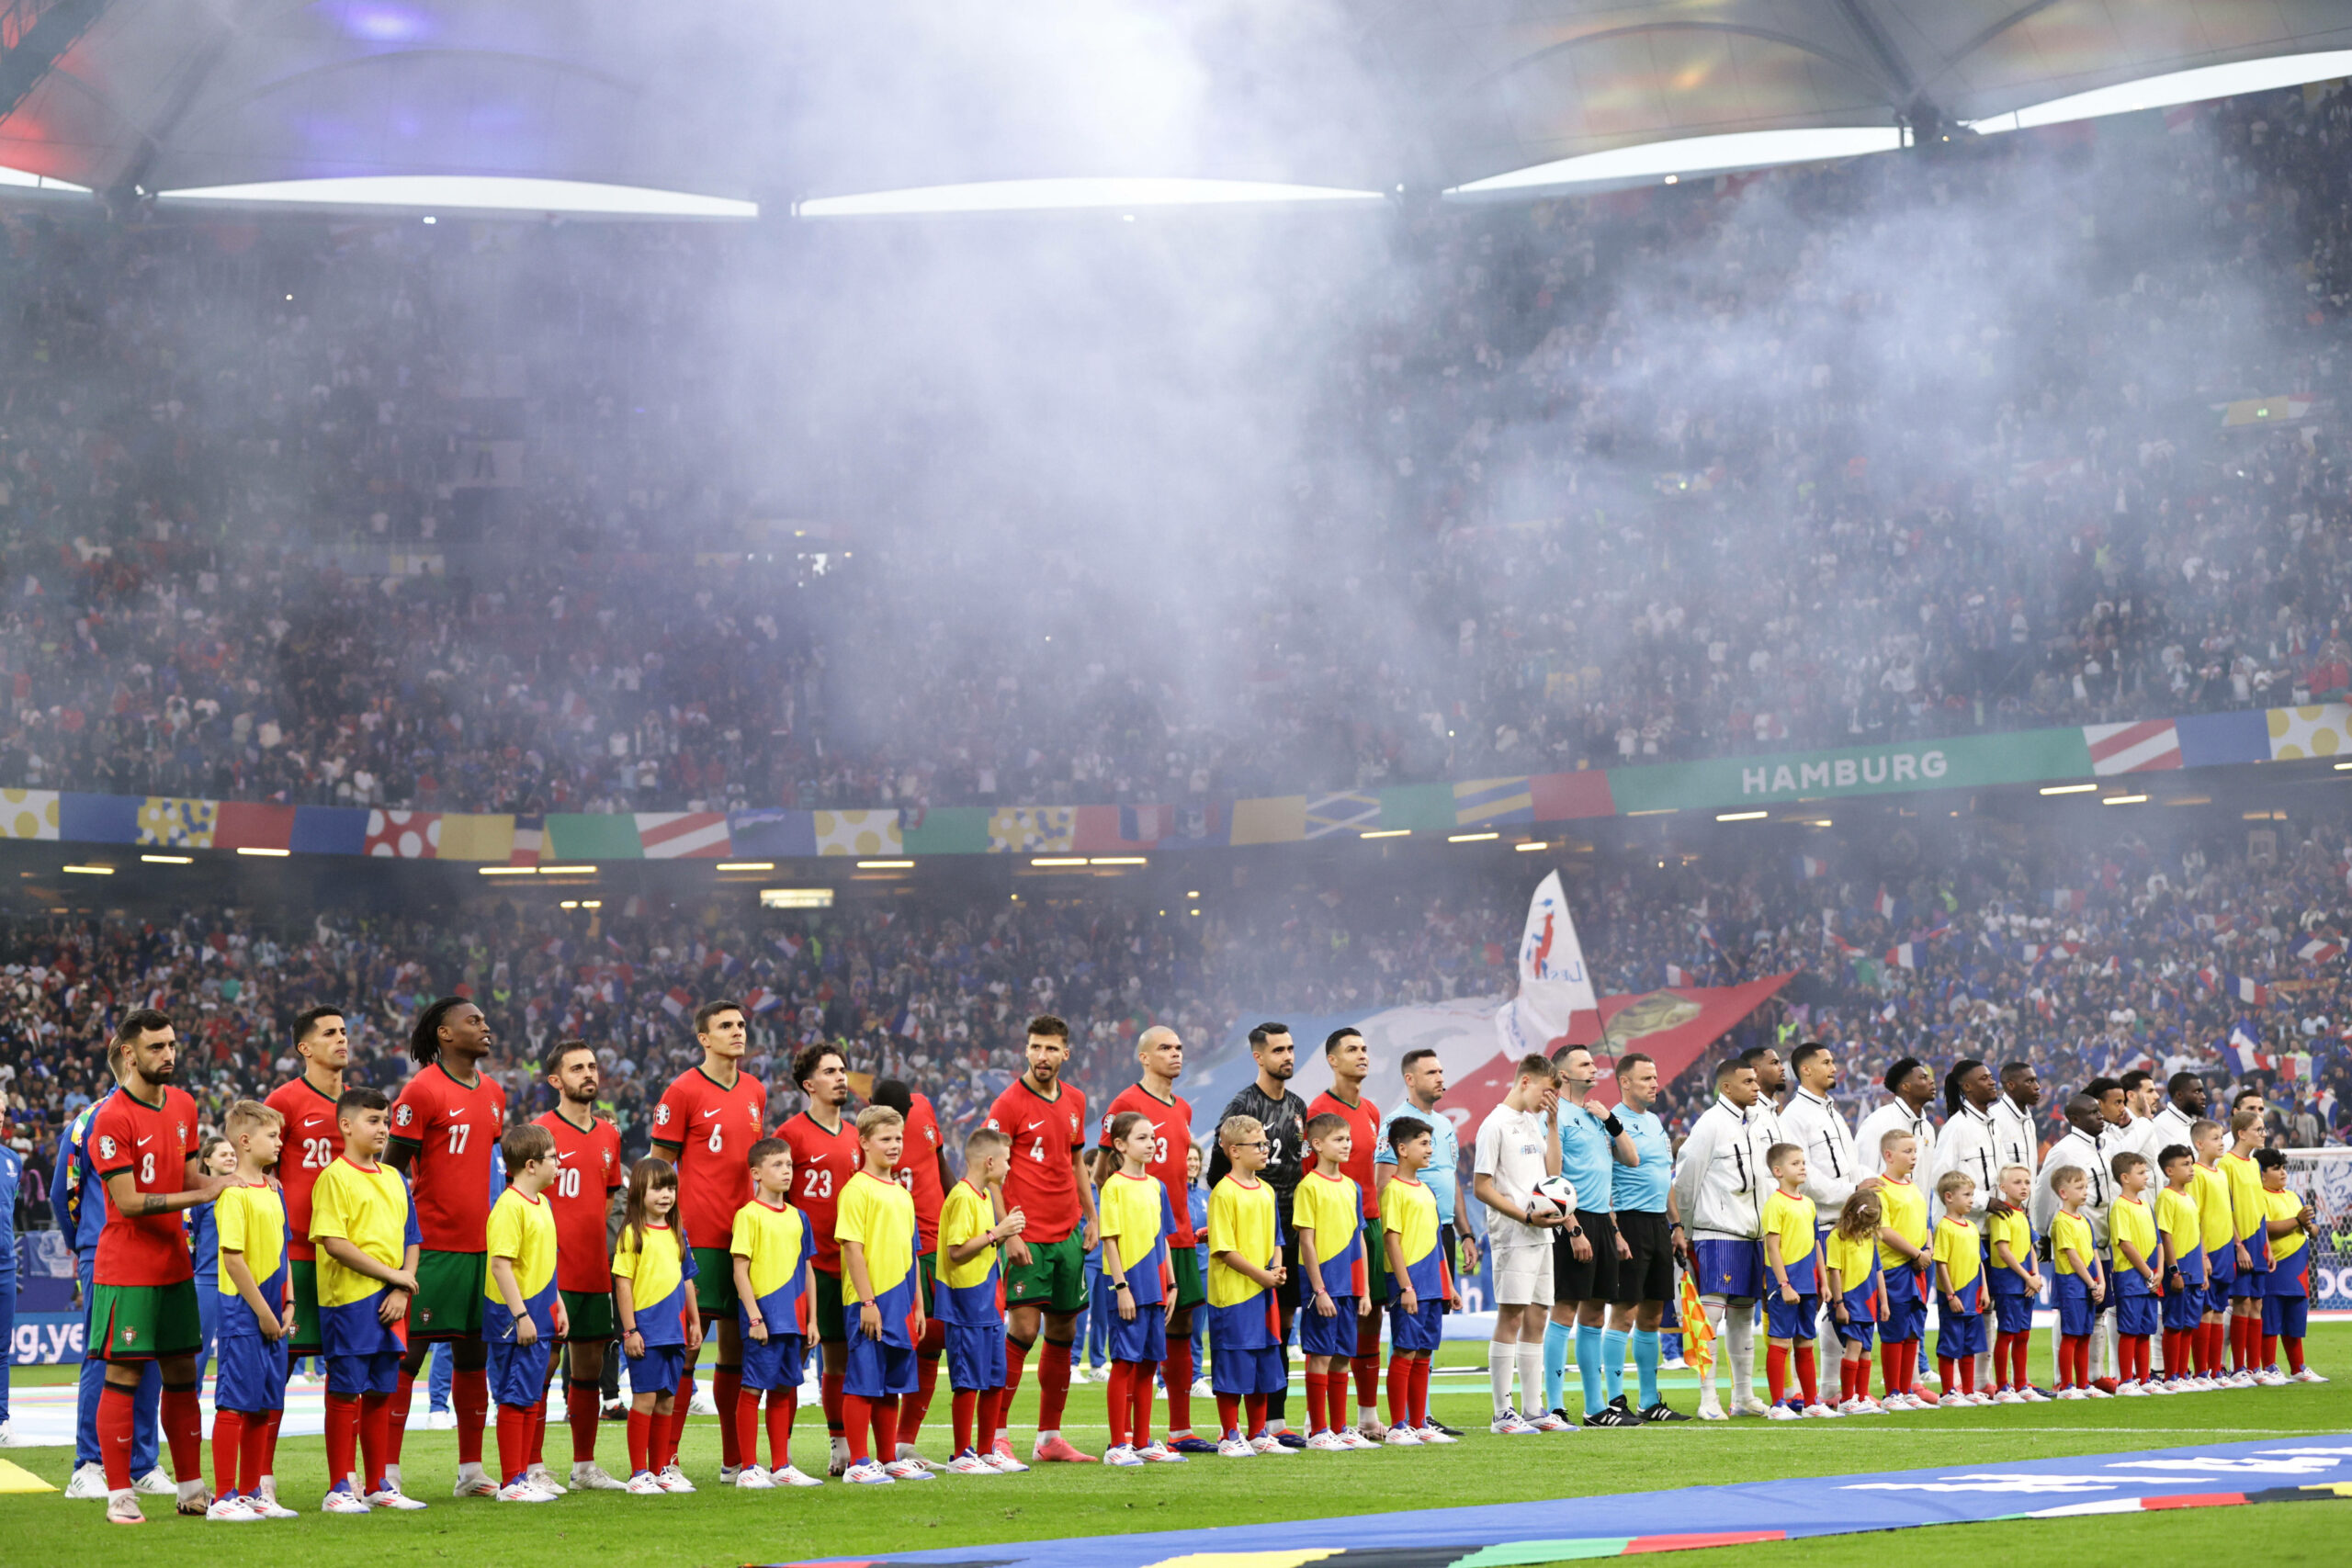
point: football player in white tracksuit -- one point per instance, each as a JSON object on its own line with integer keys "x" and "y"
{"x": 1720, "y": 1182}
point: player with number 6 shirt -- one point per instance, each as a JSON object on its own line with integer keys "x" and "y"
{"x": 313, "y": 1142}
{"x": 708, "y": 1118}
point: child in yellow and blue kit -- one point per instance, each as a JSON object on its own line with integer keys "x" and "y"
{"x": 521, "y": 1315}
{"x": 969, "y": 1300}
{"x": 1791, "y": 1287}
{"x": 1960, "y": 1284}
{"x": 1850, "y": 1256}
{"x": 771, "y": 1250}
{"x": 1245, "y": 1270}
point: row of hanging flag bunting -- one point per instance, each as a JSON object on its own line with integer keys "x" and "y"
{"x": 1961, "y": 762}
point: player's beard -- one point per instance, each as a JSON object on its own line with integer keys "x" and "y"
{"x": 162, "y": 1075}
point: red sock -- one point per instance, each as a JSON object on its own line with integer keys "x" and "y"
{"x": 1053, "y": 1387}
{"x": 2024, "y": 1352}
{"x": 376, "y": 1446}
{"x": 269, "y": 1442}
{"x": 1420, "y": 1391}
{"x": 2216, "y": 1344}
{"x": 1228, "y": 1415}
{"x": 1400, "y": 1390}
{"x": 782, "y": 1403}
{"x": 991, "y": 1420}
{"x": 586, "y": 1403}
{"x": 961, "y": 1406}
{"x": 343, "y": 1436}
{"x": 726, "y": 1391}
{"x": 1890, "y": 1358}
{"x": 1806, "y": 1377}
{"x": 470, "y": 1397}
{"x": 1315, "y": 1381}
{"x": 673, "y": 1431}
{"x": 886, "y": 1426}
{"x": 513, "y": 1441}
{"x": 255, "y": 1456}
{"x": 1945, "y": 1372}
{"x": 1776, "y": 1371}
{"x": 403, "y": 1389}
{"x": 184, "y": 1432}
{"x": 1367, "y": 1369}
{"x": 747, "y": 1426}
{"x": 1253, "y": 1407}
{"x": 1176, "y": 1371}
{"x": 2294, "y": 1352}
{"x": 227, "y": 1450}
{"x": 1139, "y": 1398}
{"x": 2270, "y": 1359}
{"x": 1119, "y": 1401}
{"x": 2237, "y": 1342}
{"x": 917, "y": 1403}
{"x": 828, "y": 1395}
{"x": 857, "y": 1419}
{"x": 640, "y": 1440}
{"x": 1968, "y": 1374}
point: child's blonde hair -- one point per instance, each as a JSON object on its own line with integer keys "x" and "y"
{"x": 1236, "y": 1129}
{"x": 1858, "y": 1220}
{"x": 1951, "y": 1181}
{"x": 874, "y": 1118}
{"x": 248, "y": 1116}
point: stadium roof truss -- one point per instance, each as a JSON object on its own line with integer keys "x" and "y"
{"x": 141, "y": 98}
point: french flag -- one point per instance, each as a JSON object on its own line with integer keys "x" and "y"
{"x": 1904, "y": 954}
{"x": 1884, "y": 905}
{"x": 1677, "y": 975}
{"x": 760, "y": 999}
{"x": 789, "y": 945}
{"x": 2243, "y": 1053}
{"x": 676, "y": 1002}
{"x": 2249, "y": 991}
{"x": 2318, "y": 952}
{"x": 1812, "y": 867}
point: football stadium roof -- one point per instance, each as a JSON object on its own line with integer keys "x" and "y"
{"x": 488, "y": 100}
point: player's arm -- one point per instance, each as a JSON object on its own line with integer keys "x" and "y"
{"x": 667, "y": 1150}
{"x": 1083, "y": 1174}
{"x": 1698, "y": 1153}
{"x": 1833, "y": 1287}
{"x": 1774, "y": 1261}
{"x": 122, "y": 1189}
{"x": 1943, "y": 1280}
{"x": 233, "y": 1259}
{"x": 2287, "y": 1226}
{"x": 2131, "y": 1255}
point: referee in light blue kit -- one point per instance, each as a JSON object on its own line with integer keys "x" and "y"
{"x": 1644, "y": 1193}
{"x": 1424, "y": 1087}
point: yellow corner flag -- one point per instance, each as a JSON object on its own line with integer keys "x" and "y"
{"x": 1698, "y": 1337}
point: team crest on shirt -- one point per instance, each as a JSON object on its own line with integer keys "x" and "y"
{"x": 129, "y": 1337}
{"x": 424, "y": 1316}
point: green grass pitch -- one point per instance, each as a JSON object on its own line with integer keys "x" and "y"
{"x": 724, "y": 1527}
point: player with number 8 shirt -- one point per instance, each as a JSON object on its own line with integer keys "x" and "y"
{"x": 313, "y": 1142}
{"x": 708, "y": 1118}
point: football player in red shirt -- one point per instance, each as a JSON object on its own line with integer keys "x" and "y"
{"x": 708, "y": 1118}
{"x": 144, "y": 1147}
{"x": 314, "y": 1141}
{"x": 922, "y": 1171}
{"x": 1045, "y": 1276}
{"x": 1160, "y": 1053}
{"x": 445, "y": 1125}
{"x": 825, "y": 1155}
{"x": 588, "y": 1172}
{"x": 1350, "y": 1060}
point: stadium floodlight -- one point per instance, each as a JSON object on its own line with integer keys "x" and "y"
{"x": 473, "y": 193}
{"x": 506, "y": 871}
{"x": 168, "y": 859}
{"x": 2175, "y": 87}
{"x": 1470, "y": 838}
{"x": 1074, "y": 195}
{"x": 744, "y": 865}
{"x": 1385, "y": 833}
{"x": 87, "y": 870}
{"x": 885, "y": 865}
{"x": 2068, "y": 789}
{"x": 266, "y": 854}
{"x": 20, "y": 179}
{"x": 1057, "y": 861}
{"x": 1695, "y": 155}
{"x": 1531, "y": 844}
{"x": 796, "y": 897}
{"x": 1741, "y": 816}
{"x": 2125, "y": 800}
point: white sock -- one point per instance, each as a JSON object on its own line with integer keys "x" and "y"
{"x": 1500, "y": 1355}
{"x": 1531, "y": 1376}
{"x": 1740, "y": 1336}
{"x": 1713, "y": 1307}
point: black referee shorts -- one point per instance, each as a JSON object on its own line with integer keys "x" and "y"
{"x": 1590, "y": 1278}
{"x": 1648, "y": 1274}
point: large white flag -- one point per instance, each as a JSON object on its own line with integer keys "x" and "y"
{"x": 1553, "y": 983}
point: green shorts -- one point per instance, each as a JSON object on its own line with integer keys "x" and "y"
{"x": 142, "y": 1322}
{"x": 1376, "y": 1261}
{"x": 589, "y": 1313}
{"x": 927, "y": 1270}
{"x": 308, "y": 1339}
{"x": 1054, "y": 1278}
{"x": 830, "y": 1326}
{"x": 1191, "y": 1289}
{"x": 449, "y": 1296}
{"x": 715, "y": 1284}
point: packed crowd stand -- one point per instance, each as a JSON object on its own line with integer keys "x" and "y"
{"x": 1805, "y": 460}
{"x": 2083, "y": 957}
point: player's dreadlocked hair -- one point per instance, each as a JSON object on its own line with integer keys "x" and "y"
{"x": 424, "y": 1040}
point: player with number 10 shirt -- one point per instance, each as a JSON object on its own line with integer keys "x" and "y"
{"x": 313, "y": 1140}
